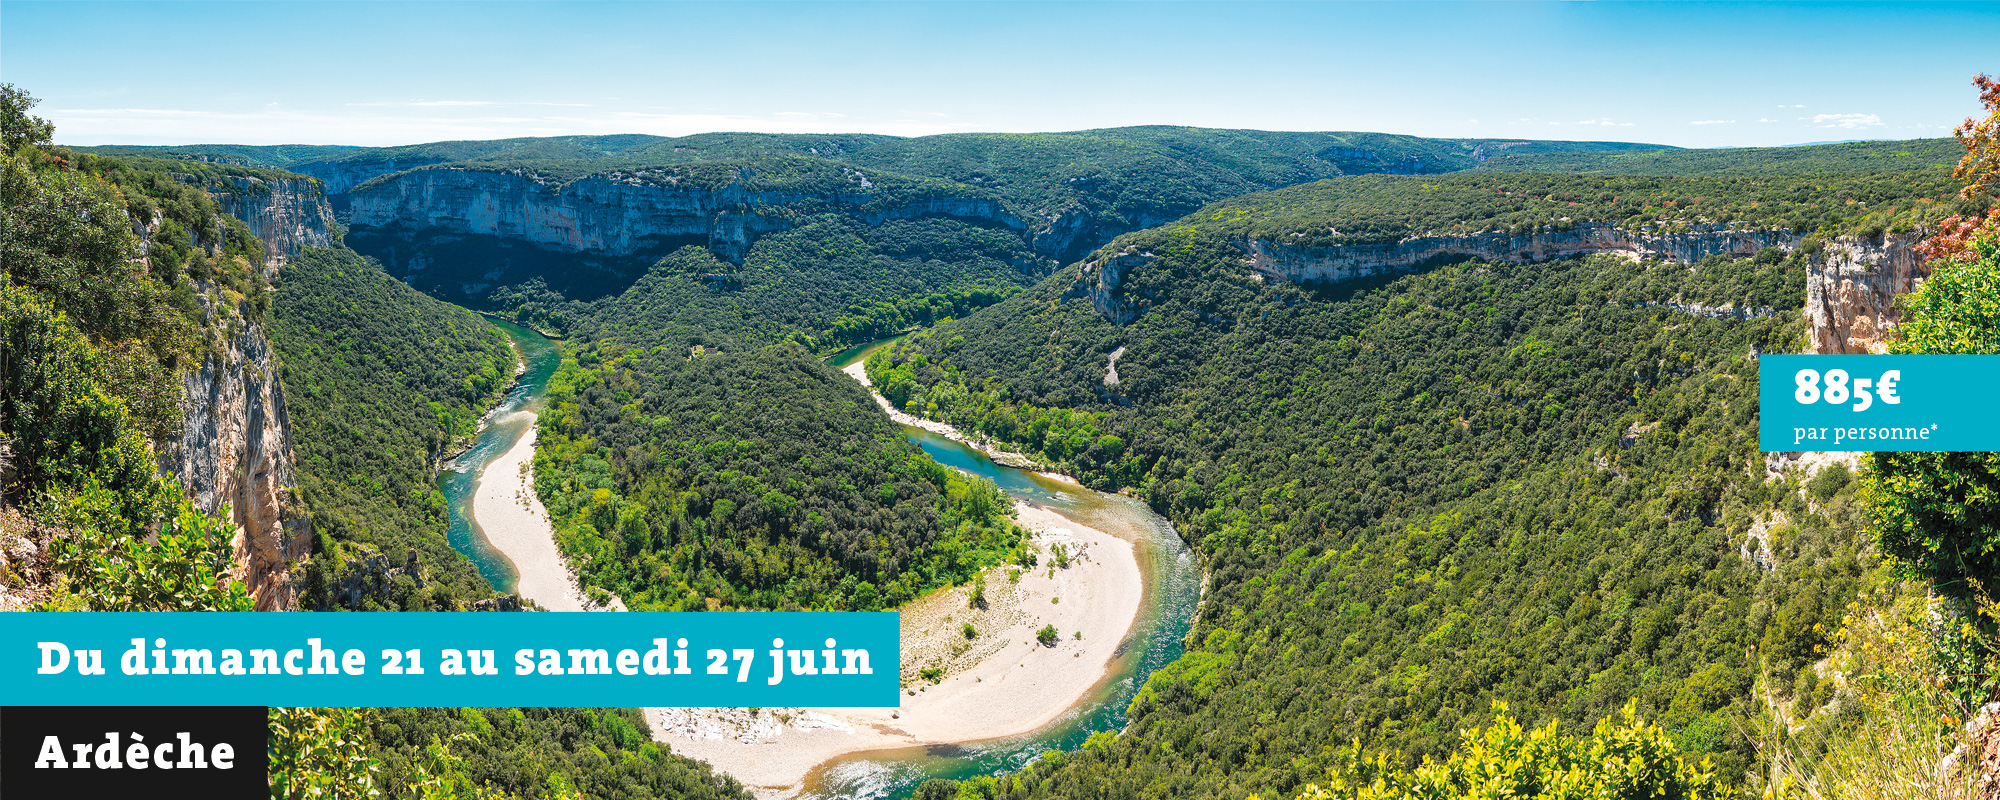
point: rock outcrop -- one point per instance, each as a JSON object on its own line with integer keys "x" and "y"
{"x": 1280, "y": 261}
{"x": 286, "y": 214}
{"x": 1851, "y": 291}
{"x": 235, "y": 447}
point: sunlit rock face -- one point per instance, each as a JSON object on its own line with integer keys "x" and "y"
{"x": 622, "y": 215}
{"x": 235, "y": 446}
{"x": 1851, "y": 291}
{"x": 286, "y": 214}
{"x": 235, "y": 449}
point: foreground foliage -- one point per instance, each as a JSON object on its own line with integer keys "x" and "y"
{"x": 1889, "y": 726}
{"x": 1621, "y": 758}
{"x": 543, "y": 753}
{"x": 90, "y": 356}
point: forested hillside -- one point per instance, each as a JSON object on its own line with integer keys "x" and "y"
{"x": 1380, "y": 209}
{"x": 756, "y": 479}
{"x": 481, "y": 754}
{"x": 830, "y": 283}
{"x": 1933, "y": 156}
{"x": 383, "y": 380}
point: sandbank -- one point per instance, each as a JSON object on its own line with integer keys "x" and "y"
{"x": 506, "y": 510}
{"x": 1001, "y": 683}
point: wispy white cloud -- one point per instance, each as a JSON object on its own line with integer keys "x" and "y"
{"x": 1782, "y": 105}
{"x": 462, "y": 103}
{"x": 1767, "y": 120}
{"x": 1848, "y": 121}
{"x": 1713, "y": 122}
{"x": 1605, "y": 121}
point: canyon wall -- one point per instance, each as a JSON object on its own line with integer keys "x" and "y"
{"x": 1851, "y": 291}
{"x": 1851, "y": 283}
{"x": 235, "y": 447}
{"x": 621, "y": 214}
{"x": 286, "y": 214}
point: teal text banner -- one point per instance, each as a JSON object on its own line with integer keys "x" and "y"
{"x": 449, "y": 659}
{"x": 1879, "y": 403}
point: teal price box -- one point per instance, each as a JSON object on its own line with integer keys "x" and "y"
{"x": 450, "y": 659}
{"x": 1879, "y": 403}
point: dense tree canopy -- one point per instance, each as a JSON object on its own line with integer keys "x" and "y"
{"x": 758, "y": 479}
{"x": 382, "y": 380}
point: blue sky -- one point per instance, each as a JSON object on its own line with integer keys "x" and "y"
{"x": 1691, "y": 74}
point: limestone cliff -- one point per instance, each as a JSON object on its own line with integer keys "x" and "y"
{"x": 235, "y": 445}
{"x": 235, "y": 449}
{"x": 1850, "y": 283}
{"x": 1285, "y": 262}
{"x": 1851, "y": 291}
{"x": 286, "y": 214}
{"x": 622, "y": 214}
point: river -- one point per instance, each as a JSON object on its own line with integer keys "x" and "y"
{"x": 504, "y": 427}
{"x": 1173, "y": 588}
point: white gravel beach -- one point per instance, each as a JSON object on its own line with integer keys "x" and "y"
{"x": 508, "y": 513}
{"x": 1001, "y": 683}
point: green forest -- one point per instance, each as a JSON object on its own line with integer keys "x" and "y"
{"x": 384, "y": 382}
{"x": 1484, "y": 482}
{"x": 481, "y": 754}
{"x": 755, "y": 479}
{"x": 830, "y": 283}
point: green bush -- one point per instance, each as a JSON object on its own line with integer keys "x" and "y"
{"x": 1620, "y": 759}
{"x": 1047, "y": 635}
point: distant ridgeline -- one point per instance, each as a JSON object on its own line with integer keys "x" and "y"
{"x": 538, "y": 228}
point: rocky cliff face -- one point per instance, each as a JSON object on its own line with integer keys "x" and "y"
{"x": 285, "y": 214}
{"x": 616, "y": 214}
{"x": 1284, "y": 262}
{"x": 235, "y": 447}
{"x": 1851, "y": 291}
{"x": 1850, "y": 285}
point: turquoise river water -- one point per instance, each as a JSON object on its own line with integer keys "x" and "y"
{"x": 461, "y": 475}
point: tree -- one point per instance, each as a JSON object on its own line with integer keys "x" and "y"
{"x": 1980, "y": 168}
{"x": 17, "y": 126}
{"x": 1047, "y": 635}
{"x": 1621, "y": 758}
